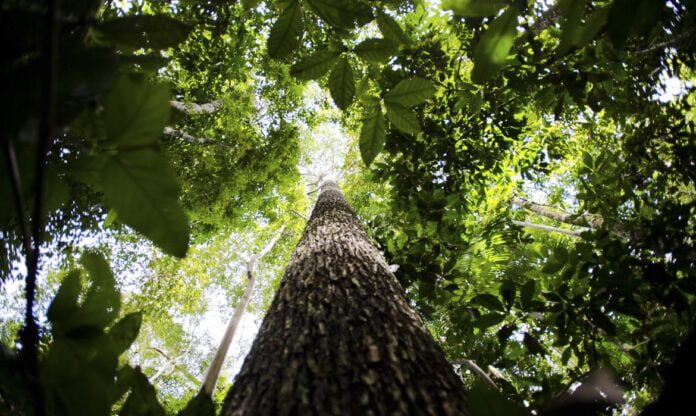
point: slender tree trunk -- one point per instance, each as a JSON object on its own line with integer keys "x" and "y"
{"x": 572, "y": 233}
{"x": 216, "y": 365}
{"x": 340, "y": 338}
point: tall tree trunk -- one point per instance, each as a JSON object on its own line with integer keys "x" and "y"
{"x": 340, "y": 338}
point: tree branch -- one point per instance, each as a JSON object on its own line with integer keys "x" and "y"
{"x": 216, "y": 365}
{"x": 168, "y": 131}
{"x": 196, "y": 109}
{"x": 18, "y": 196}
{"x": 471, "y": 365}
{"x": 572, "y": 233}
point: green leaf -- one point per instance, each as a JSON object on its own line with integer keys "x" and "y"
{"x": 102, "y": 301}
{"x": 376, "y": 50}
{"x": 474, "y": 8}
{"x": 341, "y": 14}
{"x": 491, "y": 52}
{"x": 532, "y": 344}
{"x": 403, "y": 118}
{"x": 410, "y": 92}
{"x": 142, "y": 401}
{"x": 391, "y": 29}
{"x": 488, "y": 301}
{"x": 144, "y": 31}
{"x": 314, "y": 66}
{"x": 572, "y": 29}
{"x": 488, "y": 320}
{"x": 527, "y": 294}
{"x": 124, "y": 332}
{"x": 65, "y": 302}
{"x": 595, "y": 23}
{"x": 135, "y": 112}
{"x": 485, "y": 401}
{"x": 342, "y": 84}
{"x": 142, "y": 188}
{"x": 372, "y": 135}
{"x": 286, "y": 33}
{"x": 552, "y": 266}
{"x": 200, "y": 405}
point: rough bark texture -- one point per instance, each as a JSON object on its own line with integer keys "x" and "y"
{"x": 340, "y": 338}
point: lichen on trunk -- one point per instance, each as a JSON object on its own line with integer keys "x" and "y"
{"x": 340, "y": 338}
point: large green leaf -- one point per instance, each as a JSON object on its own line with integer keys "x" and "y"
{"x": 135, "y": 112}
{"x": 403, "y": 118}
{"x": 342, "y": 84}
{"x": 372, "y": 135}
{"x": 144, "y": 31}
{"x": 492, "y": 50}
{"x": 341, "y": 14}
{"x": 286, "y": 33}
{"x": 409, "y": 92}
{"x": 391, "y": 29}
{"x": 489, "y": 301}
{"x": 474, "y": 8}
{"x": 142, "y": 400}
{"x": 572, "y": 29}
{"x": 142, "y": 188}
{"x": 124, "y": 332}
{"x": 485, "y": 401}
{"x": 376, "y": 50}
{"x": 65, "y": 301}
{"x": 200, "y": 405}
{"x": 315, "y": 65}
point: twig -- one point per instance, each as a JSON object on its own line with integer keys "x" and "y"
{"x": 298, "y": 214}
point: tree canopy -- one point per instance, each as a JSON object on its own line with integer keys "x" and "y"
{"x": 527, "y": 164}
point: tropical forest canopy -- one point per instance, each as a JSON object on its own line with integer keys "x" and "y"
{"x": 527, "y": 164}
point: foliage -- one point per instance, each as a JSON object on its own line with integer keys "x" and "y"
{"x": 457, "y": 114}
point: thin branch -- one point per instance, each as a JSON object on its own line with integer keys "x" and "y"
{"x": 168, "y": 131}
{"x": 471, "y": 365}
{"x": 18, "y": 195}
{"x": 669, "y": 42}
{"x": 298, "y": 214}
{"x": 216, "y": 365}
{"x": 572, "y": 233}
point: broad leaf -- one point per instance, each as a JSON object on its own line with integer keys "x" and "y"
{"x": 376, "y": 50}
{"x": 286, "y": 33}
{"x": 493, "y": 48}
{"x": 409, "y": 92}
{"x": 342, "y": 84}
{"x": 142, "y": 188}
{"x": 341, "y": 14}
{"x": 483, "y": 400}
{"x": 403, "y": 118}
{"x": 372, "y": 135}
{"x": 314, "y": 66}
{"x": 65, "y": 302}
{"x": 532, "y": 344}
{"x": 488, "y": 301}
{"x": 124, "y": 332}
{"x": 135, "y": 112}
{"x": 488, "y": 320}
{"x": 572, "y": 29}
{"x": 474, "y": 8}
{"x": 142, "y": 401}
{"x": 200, "y": 405}
{"x": 391, "y": 29}
{"x": 144, "y": 31}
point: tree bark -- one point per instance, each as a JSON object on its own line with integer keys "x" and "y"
{"x": 196, "y": 109}
{"x": 168, "y": 131}
{"x": 340, "y": 338}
